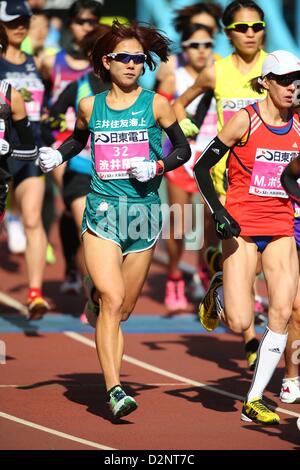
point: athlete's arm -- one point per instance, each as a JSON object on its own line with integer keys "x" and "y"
{"x": 289, "y": 179}
{"x": 166, "y": 68}
{"x": 66, "y": 100}
{"x": 206, "y": 80}
{"x": 167, "y": 87}
{"x": 73, "y": 145}
{"x": 78, "y": 140}
{"x": 56, "y": 119}
{"x": 26, "y": 150}
{"x": 46, "y": 66}
{"x": 168, "y": 90}
{"x": 166, "y": 118}
{"x": 226, "y": 226}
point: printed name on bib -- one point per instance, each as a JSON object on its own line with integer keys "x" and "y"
{"x": 115, "y": 150}
{"x": 267, "y": 169}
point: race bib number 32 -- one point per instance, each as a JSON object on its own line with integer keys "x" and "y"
{"x": 115, "y": 149}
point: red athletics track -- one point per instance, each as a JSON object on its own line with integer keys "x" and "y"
{"x": 52, "y": 396}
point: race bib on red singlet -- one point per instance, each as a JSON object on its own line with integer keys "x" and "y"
{"x": 267, "y": 169}
{"x": 114, "y": 150}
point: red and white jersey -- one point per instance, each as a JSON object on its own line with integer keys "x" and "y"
{"x": 255, "y": 197}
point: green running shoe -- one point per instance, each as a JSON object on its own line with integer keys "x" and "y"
{"x": 120, "y": 403}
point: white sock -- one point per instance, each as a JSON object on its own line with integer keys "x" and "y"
{"x": 269, "y": 353}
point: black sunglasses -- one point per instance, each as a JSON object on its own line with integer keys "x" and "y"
{"x": 21, "y": 21}
{"x": 198, "y": 44}
{"x": 243, "y": 26}
{"x": 125, "y": 58}
{"x": 284, "y": 80}
{"x": 82, "y": 21}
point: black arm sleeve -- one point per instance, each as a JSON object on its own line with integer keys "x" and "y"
{"x": 57, "y": 112}
{"x": 74, "y": 144}
{"x": 66, "y": 99}
{"x": 289, "y": 183}
{"x": 181, "y": 152}
{"x": 26, "y": 150}
{"x": 203, "y": 107}
{"x": 211, "y": 155}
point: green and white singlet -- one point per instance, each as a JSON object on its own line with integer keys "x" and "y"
{"x": 118, "y": 136}
{"x": 119, "y": 207}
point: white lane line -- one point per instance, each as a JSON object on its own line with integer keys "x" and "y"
{"x": 54, "y": 432}
{"x": 97, "y": 385}
{"x": 181, "y": 384}
{"x": 11, "y": 302}
{"x": 9, "y": 386}
{"x": 165, "y": 373}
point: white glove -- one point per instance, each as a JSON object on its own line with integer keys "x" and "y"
{"x": 4, "y": 147}
{"x": 143, "y": 171}
{"x": 49, "y": 159}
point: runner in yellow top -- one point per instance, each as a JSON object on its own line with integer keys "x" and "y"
{"x": 230, "y": 77}
{"x": 236, "y": 93}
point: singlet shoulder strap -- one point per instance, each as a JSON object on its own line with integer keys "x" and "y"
{"x": 284, "y": 130}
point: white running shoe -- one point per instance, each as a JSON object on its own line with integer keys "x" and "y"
{"x": 290, "y": 390}
{"x": 16, "y": 239}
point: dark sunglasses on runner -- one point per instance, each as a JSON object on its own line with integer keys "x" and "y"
{"x": 82, "y": 21}
{"x": 284, "y": 80}
{"x": 125, "y": 57}
{"x": 21, "y": 21}
{"x": 243, "y": 26}
{"x": 198, "y": 44}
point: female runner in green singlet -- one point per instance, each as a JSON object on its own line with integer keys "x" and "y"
{"x": 122, "y": 219}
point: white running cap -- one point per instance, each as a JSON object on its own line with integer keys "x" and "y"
{"x": 280, "y": 63}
